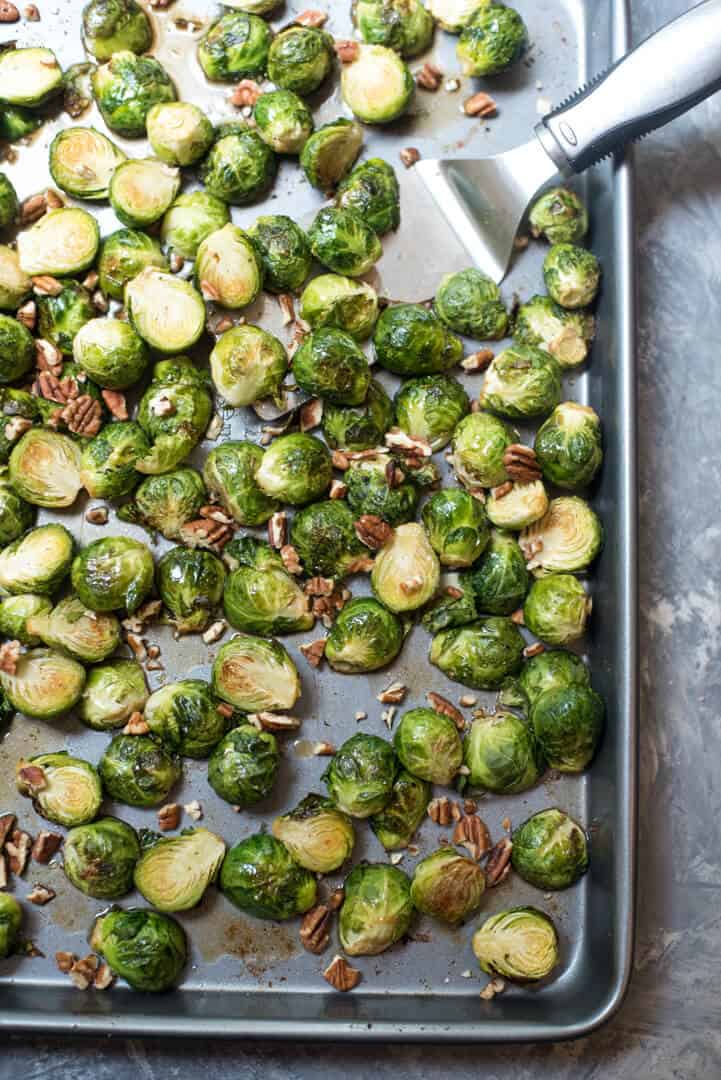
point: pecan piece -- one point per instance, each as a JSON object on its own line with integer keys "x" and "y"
{"x": 315, "y": 928}
{"x": 472, "y": 833}
{"x": 495, "y": 986}
{"x": 27, "y": 314}
{"x": 440, "y": 810}
{"x": 373, "y": 531}
{"x": 168, "y": 817}
{"x": 83, "y": 416}
{"x": 32, "y": 209}
{"x": 429, "y": 77}
{"x": 97, "y": 515}
{"x": 46, "y": 284}
{"x": 269, "y": 721}
{"x": 312, "y": 17}
{"x": 31, "y": 779}
{"x": 498, "y": 864}
{"x": 521, "y": 464}
{"x": 311, "y": 414}
{"x": 319, "y": 586}
{"x": 398, "y": 440}
{"x": 362, "y": 565}
{"x": 9, "y": 656}
{"x": 48, "y": 356}
{"x": 225, "y": 709}
{"x": 340, "y": 460}
{"x": 502, "y": 490}
{"x": 477, "y": 361}
{"x": 443, "y": 705}
{"x": 65, "y": 961}
{"x": 194, "y": 810}
{"x": 8, "y": 12}
{"x": 341, "y": 975}
{"x": 60, "y": 391}
{"x": 534, "y": 650}
{"x": 104, "y": 977}
{"x": 338, "y": 490}
{"x": 116, "y": 404}
{"x": 287, "y": 308}
{"x": 246, "y": 92}
{"x": 136, "y": 725}
{"x": 278, "y": 529}
{"x": 314, "y": 651}
{"x": 17, "y": 849}
{"x": 518, "y": 617}
{"x": 204, "y": 533}
{"x": 347, "y": 50}
{"x": 83, "y": 971}
{"x": 215, "y": 631}
{"x": 480, "y": 104}
{"x": 393, "y": 694}
{"x": 409, "y": 155}
{"x": 45, "y": 846}
{"x": 7, "y": 824}
{"x": 40, "y": 895}
{"x": 291, "y": 559}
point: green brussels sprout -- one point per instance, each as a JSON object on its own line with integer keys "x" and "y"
{"x": 45, "y": 468}
{"x": 113, "y": 574}
{"x": 410, "y": 340}
{"x": 254, "y": 7}
{"x": 376, "y": 911}
{"x": 146, "y": 948}
{"x": 255, "y": 675}
{"x": 518, "y": 943}
{"x": 565, "y": 334}
{"x": 369, "y": 491}
{"x": 180, "y": 133}
{"x": 174, "y": 413}
{"x": 428, "y": 745}
{"x": 15, "y": 612}
{"x": 364, "y": 637}
{"x": 481, "y": 655}
{"x": 123, "y": 255}
{"x": 190, "y": 583}
{"x": 396, "y": 823}
{"x": 406, "y": 571}
{"x": 329, "y": 364}
{"x": 126, "y": 88}
{"x": 457, "y": 527}
{"x": 284, "y": 252}
{"x": 555, "y": 670}
{"x": 137, "y": 770}
{"x": 522, "y": 382}
{"x": 448, "y": 886}
{"x": 295, "y": 469}
{"x": 107, "y": 463}
{"x": 192, "y": 217}
{"x": 142, "y": 189}
{"x": 451, "y": 611}
{"x": 113, "y": 692}
{"x": 248, "y": 364}
{"x": 318, "y": 836}
{"x": 99, "y": 859}
{"x": 64, "y": 789}
{"x": 243, "y": 766}
{"x": 499, "y": 579}
{"x": 73, "y": 630}
{"x": 174, "y": 873}
{"x": 429, "y": 408}
{"x": 341, "y": 240}
{"x": 360, "y": 775}
{"x": 359, "y": 427}
{"x": 377, "y": 85}
{"x": 230, "y": 476}
{"x": 568, "y": 723}
{"x": 341, "y": 302}
{"x": 166, "y": 503}
{"x": 572, "y": 275}
{"x": 329, "y": 153}
{"x": 479, "y": 444}
{"x": 61, "y": 317}
{"x": 7, "y": 710}
{"x": 283, "y": 121}
{"x": 16, "y": 406}
{"x": 234, "y": 46}
{"x": 470, "y": 303}
{"x": 82, "y": 162}
{"x": 493, "y": 40}
{"x": 568, "y": 445}
{"x": 16, "y": 515}
{"x": 260, "y": 596}
{"x": 372, "y": 191}
{"x": 15, "y": 284}
{"x": 228, "y": 268}
{"x": 502, "y": 754}
{"x": 560, "y": 216}
{"x": 239, "y": 167}
{"x": 166, "y": 311}
{"x": 17, "y": 123}
{"x": 29, "y": 77}
{"x": 37, "y": 562}
{"x": 300, "y": 58}
{"x": 571, "y": 537}
{"x": 111, "y": 353}
{"x": 261, "y": 878}
{"x": 11, "y": 918}
{"x": 17, "y": 349}
{"x": 518, "y": 508}
{"x": 112, "y": 25}
{"x": 403, "y": 25}
{"x": 324, "y": 536}
{"x": 45, "y": 684}
{"x": 9, "y": 205}
{"x": 557, "y": 609}
{"x": 453, "y": 15}
{"x": 550, "y": 850}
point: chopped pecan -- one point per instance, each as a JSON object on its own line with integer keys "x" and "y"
{"x": 83, "y": 971}
{"x": 45, "y": 846}
{"x": 46, "y": 284}
{"x": 335, "y": 899}
{"x": 138, "y": 647}
{"x": 393, "y": 694}
{"x": 100, "y": 301}
{"x": 481, "y": 104}
{"x": 194, "y": 810}
{"x": 411, "y": 585}
{"x": 477, "y": 361}
{"x": 398, "y": 440}
{"x": 314, "y": 929}
{"x": 216, "y": 513}
{"x": 214, "y": 428}
{"x": 91, "y": 280}
{"x": 176, "y": 263}
{"x": 40, "y": 895}
{"x": 291, "y": 559}
{"x": 31, "y": 779}
{"x": 313, "y": 651}
{"x": 338, "y": 490}
{"x": 501, "y": 490}
{"x": 83, "y": 415}
{"x": 373, "y": 531}
{"x": 470, "y": 806}
{"x": 311, "y": 414}
{"x": 409, "y": 155}
{"x": 472, "y": 833}
{"x": 225, "y": 709}
{"x": 215, "y": 631}
{"x": 521, "y": 463}
{"x": 147, "y": 613}
{"x": 347, "y": 50}
{"x": 322, "y": 749}
{"x": 340, "y": 460}
{"x": 54, "y": 199}
{"x": 440, "y": 810}
{"x": 204, "y": 533}
{"x": 429, "y": 77}
{"x": 32, "y": 209}
{"x": 48, "y": 357}
{"x": 65, "y": 961}
{"x": 60, "y": 391}
{"x": 498, "y": 864}
{"x": 9, "y": 656}
{"x": 341, "y": 975}
{"x": 467, "y": 700}
{"x": 530, "y": 546}
{"x": 8, "y": 12}
{"x": 27, "y": 314}
{"x": 104, "y": 977}
{"x": 312, "y": 17}
{"x": 97, "y": 515}
{"x": 287, "y": 307}
{"x": 116, "y": 404}
{"x": 453, "y": 592}
{"x": 534, "y": 650}
{"x": 518, "y": 617}
{"x": 278, "y": 529}
{"x": 7, "y": 824}
{"x": 168, "y": 817}
{"x": 362, "y": 565}
{"x": 269, "y": 721}
{"x": 17, "y": 849}
{"x": 136, "y": 725}
{"x": 495, "y": 986}
{"x": 246, "y": 92}
{"x": 319, "y": 586}
{"x": 443, "y": 705}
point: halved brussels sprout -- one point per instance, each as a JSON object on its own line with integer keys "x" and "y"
{"x": 166, "y": 311}
{"x": 359, "y": 427}
{"x": 61, "y": 317}
{"x": 107, "y": 464}
{"x": 568, "y": 445}
{"x": 370, "y": 492}
{"x": 17, "y": 349}
{"x": 190, "y": 583}
{"x": 248, "y": 364}
{"x": 38, "y": 561}
{"x": 410, "y": 340}
{"x": 457, "y": 527}
{"x": 243, "y": 766}
{"x": 239, "y": 167}
{"x": 451, "y": 611}
{"x": 255, "y": 674}
{"x": 9, "y": 205}
{"x": 17, "y": 123}
{"x": 428, "y": 745}
{"x": 566, "y": 334}
{"x": 283, "y": 120}
{"x": 500, "y": 579}
{"x": 284, "y": 252}
{"x": 193, "y": 216}
{"x": 470, "y": 303}
{"x": 234, "y": 46}
{"x": 377, "y": 85}
{"x": 113, "y": 573}
{"x": 127, "y": 87}
{"x": 174, "y": 873}
{"x": 111, "y": 25}
{"x": 29, "y": 76}
{"x": 64, "y": 789}
{"x": 300, "y": 58}
{"x": 63, "y": 242}
{"x": 502, "y": 754}
{"x": 560, "y": 216}
{"x": 557, "y": 609}
{"x": 228, "y": 269}
{"x": 261, "y": 878}
{"x": 403, "y": 25}
{"x": 45, "y": 684}
{"x": 448, "y": 886}
{"x": 493, "y": 40}
{"x": 99, "y": 859}
{"x": 113, "y": 692}
{"x": 295, "y": 469}
{"x": 324, "y": 536}
{"x": 341, "y": 302}
{"x": 146, "y": 948}
{"x": 377, "y": 909}
{"x": 141, "y": 190}
{"x": 550, "y": 850}
{"x": 82, "y": 162}
{"x": 479, "y": 443}
{"x": 552, "y": 671}
{"x": 572, "y": 275}
{"x": 73, "y": 630}
{"x": 360, "y": 775}
{"x": 260, "y": 596}
{"x": 174, "y": 413}
{"x": 318, "y": 836}
{"x": 166, "y": 503}
{"x": 567, "y": 538}
{"x": 11, "y": 920}
{"x": 179, "y": 132}
{"x": 568, "y": 723}
{"x": 430, "y": 408}
{"x": 519, "y": 943}
{"x": 15, "y": 612}
{"x": 397, "y": 822}
{"x": 15, "y": 405}
{"x": 453, "y": 15}
{"x": 230, "y": 475}
{"x": 518, "y": 508}
{"x": 342, "y": 240}
{"x": 123, "y": 255}
{"x": 111, "y": 353}
{"x": 329, "y": 364}
{"x": 15, "y": 284}
{"x": 137, "y": 770}
{"x": 481, "y": 655}
{"x": 329, "y": 153}
{"x": 522, "y": 382}
{"x": 406, "y": 571}
{"x": 16, "y": 515}
{"x": 364, "y": 637}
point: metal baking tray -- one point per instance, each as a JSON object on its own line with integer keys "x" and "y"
{"x": 252, "y": 979}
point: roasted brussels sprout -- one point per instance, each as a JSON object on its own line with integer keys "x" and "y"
{"x": 453, "y": 15}
{"x": 377, "y": 85}
{"x": 324, "y": 536}
{"x": 228, "y": 269}
{"x": 16, "y": 515}
{"x": 502, "y": 754}
{"x": 403, "y": 25}
{"x": 174, "y": 873}
{"x": 193, "y": 216}
{"x": 234, "y": 46}
{"x": 519, "y": 507}
{"x": 260, "y": 596}
{"x": 284, "y": 252}
{"x": 166, "y": 503}
{"x": 451, "y": 610}
{"x": 144, "y": 947}
{"x": 428, "y": 745}
{"x": 470, "y": 303}
{"x": 239, "y": 166}
{"x": 283, "y": 120}
{"x": 126, "y": 88}
{"x": 17, "y": 122}
{"x": 113, "y": 573}
{"x": 360, "y": 775}
{"x": 552, "y": 671}
{"x": 494, "y": 39}
{"x": 174, "y": 413}
{"x": 261, "y": 878}
{"x": 142, "y": 189}
{"x": 377, "y": 909}
{"x": 61, "y": 317}
{"x": 82, "y": 162}
{"x": 519, "y": 943}
{"x": 560, "y": 216}
{"x": 45, "y": 684}
{"x": 567, "y": 538}
{"x": 64, "y": 789}
{"x": 406, "y": 570}
{"x": 572, "y": 275}
{"x": 17, "y": 349}
{"x": 113, "y": 692}
{"x": 369, "y": 491}
{"x": 397, "y": 822}
{"x": 73, "y": 630}
{"x": 318, "y": 836}
{"x": 448, "y": 886}
{"x": 371, "y": 190}
{"x": 166, "y": 311}
{"x": 16, "y": 406}
{"x": 107, "y": 463}
{"x": 410, "y": 340}
{"x": 557, "y": 609}
{"x": 479, "y": 444}
{"x": 430, "y": 408}
{"x": 568, "y": 723}
{"x": 499, "y": 579}
{"x": 112, "y": 25}
{"x": 123, "y": 255}
{"x": 364, "y": 637}
{"x": 15, "y": 284}
{"x": 248, "y": 364}
{"x": 243, "y": 766}
{"x": 15, "y": 612}
{"x": 29, "y": 77}
{"x": 329, "y": 153}
{"x": 481, "y": 655}
{"x": 341, "y": 302}
{"x": 565, "y": 334}
{"x": 568, "y": 445}
{"x": 550, "y": 850}
{"x": 254, "y": 7}
{"x": 230, "y": 476}
{"x": 300, "y": 58}
{"x": 255, "y": 674}
{"x": 359, "y": 427}
{"x": 329, "y": 364}
{"x": 295, "y": 469}
{"x": 37, "y": 562}
{"x": 137, "y": 770}
{"x": 111, "y": 353}
{"x": 190, "y": 583}
{"x": 45, "y": 468}
{"x": 179, "y": 133}
{"x": 11, "y": 919}
{"x": 522, "y": 382}
{"x": 9, "y": 205}
{"x": 99, "y": 859}
{"x": 457, "y": 527}
{"x": 343, "y": 241}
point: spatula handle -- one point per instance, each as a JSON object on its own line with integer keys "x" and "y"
{"x": 664, "y": 76}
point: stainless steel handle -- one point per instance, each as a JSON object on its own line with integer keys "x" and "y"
{"x": 661, "y": 78}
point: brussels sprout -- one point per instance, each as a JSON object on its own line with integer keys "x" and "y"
{"x": 377, "y": 85}
{"x": 369, "y": 491}
{"x": 111, "y": 353}
{"x": 64, "y": 789}
{"x": 568, "y": 723}
{"x": 295, "y": 469}
{"x": 37, "y": 562}
{"x": 300, "y": 58}
{"x": 341, "y": 240}
{"x": 457, "y": 527}
{"x": 15, "y": 612}
{"x": 239, "y": 166}
{"x": 248, "y": 364}
{"x": 428, "y": 745}
{"x": 283, "y": 120}
{"x": 570, "y": 535}
{"x": 126, "y": 88}
{"x": 572, "y": 275}
{"x": 470, "y": 303}
{"x": 243, "y": 766}
{"x": 324, "y": 537}
{"x": 451, "y": 611}
{"x": 15, "y": 284}
{"x": 261, "y": 878}
{"x": 397, "y": 822}
{"x": 230, "y": 475}
{"x": 565, "y": 334}
{"x": 63, "y": 242}
{"x": 329, "y": 153}
{"x": 522, "y": 382}
{"x": 11, "y": 918}
{"x": 260, "y": 596}
{"x": 502, "y": 754}
{"x": 334, "y": 300}
{"x": 555, "y": 670}
{"x": 174, "y": 413}
{"x": 234, "y": 46}
{"x": 137, "y": 770}
{"x": 429, "y": 408}
{"x": 113, "y": 574}
{"x": 82, "y": 162}
{"x": 9, "y": 205}
{"x": 550, "y": 851}
{"x": 15, "y": 405}
{"x": 329, "y": 364}
{"x": 560, "y": 216}
{"x": 17, "y": 123}
{"x": 174, "y": 873}
{"x": 318, "y": 836}
{"x": 45, "y": 684}
{"x": 45, "y": 468}
{"x": 284, "y": 252}
{"x": 192, "y": 217}
{"x": 107, "y": 464}
{"x": 403, "y": 25}
{"x": 190, "y": 584}
{"x": 112, "y": 25}
{"x": 29, "y": 77}
{"x": 99, "y": 859}
{"x": 359, "y": 427}
{"x": 113, "y": 692}
{"x": 448, "y": 886}
{"x": 17, "y": 349}
{"x": 180, "y": 133}
{"x": 146, "y": 948}
{"x": 141, "y": 190}
{"x": 255, "y": 674}
{"x": 519, "y": 507}
{"x": 453, "y": 15}
{"x": 228, "y": 269}
{"x": 377, "y": 909}
{"x": 481, "y": 655}
{"x": 557, "y": 609}
{"x": 254, "y": 7}
{"x": 519, "y": 943}
{"x": 123, "y": 255}
{"x": 493, "y": 40}
{"x": 500, "y": 579}
{"x": 16, "y": 515}
{"x": 166, "y": 503}
{"x": 568, "y": 445}
{"x": 73, "y": 630}
{"x": 364, "y": 637}
{"x": 61, "y": 317}
{"x": 406, "y": 570}
{"x": 360, "y": 775}
{"x": 410, "y": 340}
{"x": 479, "y": 444}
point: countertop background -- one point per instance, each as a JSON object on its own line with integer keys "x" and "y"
{"x": 670, "y": 1024}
